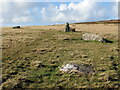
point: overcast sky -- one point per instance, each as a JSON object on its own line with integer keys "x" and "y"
{"x": 46, "y": 13}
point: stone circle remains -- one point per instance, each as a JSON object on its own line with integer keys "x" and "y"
{"x": 83, "y": 68}
{"x": 94, "y": 37}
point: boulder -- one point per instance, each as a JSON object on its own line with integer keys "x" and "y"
{"x": 15, "y": 27}
{"x": 90, "y": 36}
{"x": 72, "y": 29}
{"x": 94, "y": 37}
{"x": 68, "y": 28}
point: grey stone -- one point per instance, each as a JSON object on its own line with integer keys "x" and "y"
{"x": 90, "y": 36}
{"x": 84, "y": 68}
{"x": 69, "y": 67}
{"x": 72, "y": 29}
{"x": 68, "y": 28}
{"x": 94, "y": 37}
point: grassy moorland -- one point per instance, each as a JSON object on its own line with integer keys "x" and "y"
{"x": 33, "y": 55}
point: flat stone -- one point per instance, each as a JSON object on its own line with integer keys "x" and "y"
{"x": 68, "y": 67}
{"x": 91, "y": 36}
{"x": 84, "y": 68}
{"x": 94, "y": 37}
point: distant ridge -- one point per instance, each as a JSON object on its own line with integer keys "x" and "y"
{"x": 102, "y": 22}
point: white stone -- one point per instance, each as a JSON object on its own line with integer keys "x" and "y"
{"x": 90, "y": 36}
{"x": 77, "y": 67}
{"x": 68, "y": 67}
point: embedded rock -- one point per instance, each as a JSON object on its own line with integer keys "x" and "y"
{"x": 69, "y": 67}
{"x": 84, "y": 68}
{"x": 94, "y": 37}
{"x": 90, "y": 36}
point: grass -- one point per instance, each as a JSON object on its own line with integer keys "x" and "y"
{"x": 32, "y": 59}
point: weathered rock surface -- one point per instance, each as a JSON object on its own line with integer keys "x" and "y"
{"x": 68, "y": 28}
{"x": 90, "y": 36}
{"x": 95, "y": 37}
{"x": 77, "y": 67}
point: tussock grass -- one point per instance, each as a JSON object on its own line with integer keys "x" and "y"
{"x": 32, "y": 58}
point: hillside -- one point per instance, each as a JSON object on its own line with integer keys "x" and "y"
{"x": 102, "y": 22}
{"x": 33, "y": 55}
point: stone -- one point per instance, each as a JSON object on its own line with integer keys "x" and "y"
{"x": 36, "y": 63}
{"x": 94, "y": 37}
{"x": 45, "y": 40}
{"x": 84, "y": 56}
{"x": 67, "y": 28}
{"x": 16, "y": 27}
{"x": 83, "y": 68}
{"x": 90, "y": 36}
{"x": 72, "y": 29}
{"x": 68, "y": 67}
{"x": 115, "y": 50}
{"x": 66, "y": 39}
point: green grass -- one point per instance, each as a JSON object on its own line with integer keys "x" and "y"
{"x": 53, "y": 49}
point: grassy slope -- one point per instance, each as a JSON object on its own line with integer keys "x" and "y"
{"x": 32, "y": 58}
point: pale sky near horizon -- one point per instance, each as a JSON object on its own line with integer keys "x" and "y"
{"x": 47, "y": 13}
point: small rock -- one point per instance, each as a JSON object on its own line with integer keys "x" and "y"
{"x": 111, "y": 57}
{"x": 57, "y": 56}
{"x": 54, "y": 61}
{"x": 66, "y": 39}
{"x": 84, "y": 56}
{"x": 72, "y": 54}
{"x": 42, "y": 50}
{"x": 36, "y": 63}
{"x": 117, "y": 49}
{"x": 102, "y": 58}
{"x": 45, "y": 40}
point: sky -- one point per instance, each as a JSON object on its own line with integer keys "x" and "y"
{"x": 14, "y": 13}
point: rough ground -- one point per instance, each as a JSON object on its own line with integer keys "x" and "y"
{"x": 33, "y": 55}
